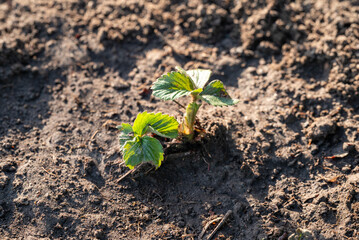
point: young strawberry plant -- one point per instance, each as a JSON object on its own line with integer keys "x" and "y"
{"x": 137, "y": 147}
{"x": 191, "y": 83}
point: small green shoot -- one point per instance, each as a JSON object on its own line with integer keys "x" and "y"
{"x": 137, "y": 147}
{"x": 180, "y": 83}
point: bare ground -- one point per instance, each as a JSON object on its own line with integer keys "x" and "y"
{"x": 285, "y": 157}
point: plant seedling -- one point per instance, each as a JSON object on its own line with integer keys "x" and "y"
{"x": 180, "y": 83}
{"x": 137, "y": 147}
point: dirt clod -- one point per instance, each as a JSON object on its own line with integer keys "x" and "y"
{"x": 321, "y": 129}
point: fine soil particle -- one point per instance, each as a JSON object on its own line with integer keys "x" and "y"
{"x": 284, "y": 160}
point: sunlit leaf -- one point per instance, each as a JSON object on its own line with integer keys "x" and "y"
{"x": 172, "y": 85}
{"x": 184, "y": 72}
{"x": 199, "y": 76}
{"x": 124, "y": 138}
{"x": 143, "y": 149}
{"x": 164, "y": 125}
{"x": 216, "y": 95}
{"x": 161, "y": 124}
{"x": 126, "y": 130}
{"x": 197, "y": 91}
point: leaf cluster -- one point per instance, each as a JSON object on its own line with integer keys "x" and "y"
{"x": 137, "y": 147}
{"x": 180, "y": 83}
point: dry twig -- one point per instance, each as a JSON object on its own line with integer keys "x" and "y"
{"x": 128, "y": 173}
{"x": 207, "y": 226}
{"x": 179, "y": 104}
{"x": 220, "y": 224}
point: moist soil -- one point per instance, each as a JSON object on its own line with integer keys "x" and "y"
{"x": 285, "y": 157}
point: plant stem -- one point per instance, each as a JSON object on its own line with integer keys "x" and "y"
{"x": 187, "y": 126}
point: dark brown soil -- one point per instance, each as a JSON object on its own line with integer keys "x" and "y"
{"x": 70, "y": 71}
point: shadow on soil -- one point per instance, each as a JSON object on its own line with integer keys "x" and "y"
{"x": 210, "y": 181}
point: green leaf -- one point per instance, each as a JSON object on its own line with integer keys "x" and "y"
{"x": 143, "y": 149}
{"x": 140, "y": 125}
{"x": 164, "y": 125}
{"x": 200, "y": 77}
{"x": 216, "y": 95}
{"x": 124, "y": 138}
{"x": 125, "y": 129}
{"x": 182, "y": 71}
{"x": 172, "y": 85}
{"x": 197, "y": 91}
{"x": 158, "y": 123}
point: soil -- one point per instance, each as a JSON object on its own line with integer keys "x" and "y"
{"x": 286, "y": 157}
